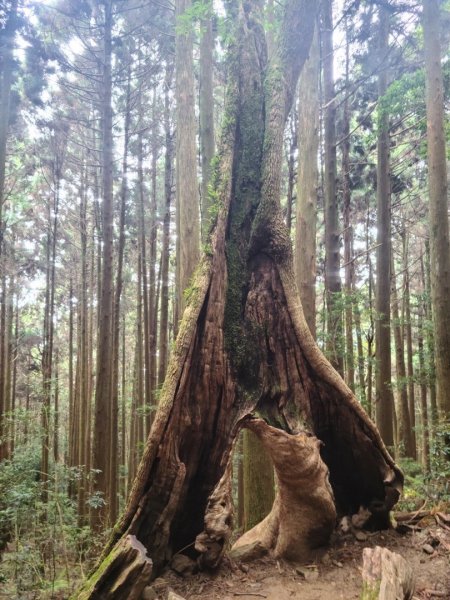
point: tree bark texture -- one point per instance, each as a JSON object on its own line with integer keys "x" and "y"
{"x": 243, "y": 343}
{"x": 102, "y": 422}
{"x": 187, "y": 197}
{"x": 259, "y": 483}
{"x": 307, "y": 181}
{"x": 438, "y": 203}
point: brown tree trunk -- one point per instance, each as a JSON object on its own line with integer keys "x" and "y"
{"x": 431, "y": 367}
{"x": 307, "y": 182}
{"x": 165, "y": 251}
{"x": 102, "y": 421}
{"x": 332, "y": 229}
{"x": 206, "y": 114}
{"x": 187, "y": 198}
{"x": 423, "y": 393}
{"x": 48, "y": 330}
{"x": 258, "y": 480}
{"x": 144, "y": 293}
{"x": 114, "y": 452}
{"x": 409, "y": 347}
{"x": 82, "y": 394}
{"x": 244, "y": 344}
{"x": 151, "y": 341}
{"x": 438, "y": 203}
{"x": 348, "y": 234}
{"x": 405, "y": 440}
{"x": 384, "y": 396}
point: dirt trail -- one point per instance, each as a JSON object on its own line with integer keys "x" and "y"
{"x": 336, "y": 576}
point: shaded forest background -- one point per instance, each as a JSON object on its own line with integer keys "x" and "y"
{"x": 110, "y": 114}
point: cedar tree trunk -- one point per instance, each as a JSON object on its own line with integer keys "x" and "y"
{"x": 243, "y": 343}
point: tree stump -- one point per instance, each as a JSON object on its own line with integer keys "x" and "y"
{"x": 386, "y": 575}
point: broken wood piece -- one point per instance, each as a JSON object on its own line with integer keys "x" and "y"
{"x": 387, "y": 574}
{"x": 129, "y": 573}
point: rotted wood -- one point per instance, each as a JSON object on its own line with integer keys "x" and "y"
{"x": 303, "y": 515}
{"x": 129, "y": 571}
{"x": 386, "y": 575}
{"x": 213, "y": 541}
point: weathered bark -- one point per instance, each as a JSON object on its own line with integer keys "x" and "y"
{"x": 243, "y": 343}
{"x": 384, "y": 397}
{"x": 438, "y": 203}
{"x": 307, "y": 181}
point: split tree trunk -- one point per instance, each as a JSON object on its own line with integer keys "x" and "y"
{"x": 243, "y": 343}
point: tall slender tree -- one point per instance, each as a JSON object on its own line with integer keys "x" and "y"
{"x": 384, "y": 396}
{"x": 438, "y": 202}
{"x": 307, "y": 183}
{"x": 103, "y": 389}
{"x": 332, "y": 228}
{"x": 187, "y": 196}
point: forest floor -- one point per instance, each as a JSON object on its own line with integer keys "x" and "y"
{"x": 335, "y": 576}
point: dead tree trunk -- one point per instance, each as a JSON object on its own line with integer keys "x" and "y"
{"x": 243, "y": 344}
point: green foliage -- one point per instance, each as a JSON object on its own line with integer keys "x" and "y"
{"x": 42, "y": 542}
{"x": 433, "y": 486}
{"x": 199, "y": 10}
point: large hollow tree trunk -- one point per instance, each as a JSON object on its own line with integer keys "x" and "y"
{"x": 243, "y": 343}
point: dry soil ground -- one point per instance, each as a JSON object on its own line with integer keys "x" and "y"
{"x": 336, "y": 576}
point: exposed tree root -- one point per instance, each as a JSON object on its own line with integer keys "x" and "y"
{"x": 303, "y": 515}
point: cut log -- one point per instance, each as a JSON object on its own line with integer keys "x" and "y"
{"x": 303, "y": 515}
{"x": 386, "y": 575}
